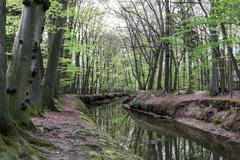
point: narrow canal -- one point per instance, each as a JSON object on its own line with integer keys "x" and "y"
{"x": 163, "y": 142}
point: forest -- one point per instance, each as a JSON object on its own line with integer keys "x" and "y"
{"x": 177, "y": 60}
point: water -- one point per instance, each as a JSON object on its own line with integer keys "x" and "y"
{"x": 152, "y": 139}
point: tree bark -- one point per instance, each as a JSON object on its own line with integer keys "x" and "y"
{"x": 49, "y": 80}
{"x": 20, "y": 74}
{"x": 214, "y": 80}
{"x": 167, "y": 49}
{"x": 5, "y": 123}
{"x": 36, "y": 88}
{"x": 153, "y": 69}
{"x": 230, "y": 53}
{"x": 160, "y": 68}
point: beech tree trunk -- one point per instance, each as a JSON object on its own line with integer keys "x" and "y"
{"x": 36, "y": 88}
{"x": 214, "y": 90}
{"x": 55, "y": 48}
{"x": 20, "y": 73}
{"x": 214, "y": 80}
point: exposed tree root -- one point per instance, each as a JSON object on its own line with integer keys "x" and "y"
{"x": 19, "y": 144}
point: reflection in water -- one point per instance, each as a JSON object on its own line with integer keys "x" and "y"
{"x": 147, "y": 144}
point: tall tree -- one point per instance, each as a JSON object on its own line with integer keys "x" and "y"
{"x": 167, "y": 49}
{"x": 20, "y": 72}
{"x": 5, "y": 123}
{"x": 55, "y": 49}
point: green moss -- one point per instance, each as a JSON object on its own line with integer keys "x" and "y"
{"x": 100, "y": 151}
{"x": 86, "y": 118}
{"x": 113, "y": 154}
{"x": 95, "y": 156}
{"x": 15, "y": 148}
{"x": 58, "y": 103}
{"x": 81, "y": 107}
{"x": 35, "y": 110}
{"x": 84, "y": 112}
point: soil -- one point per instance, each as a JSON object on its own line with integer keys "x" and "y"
{"x": 75, "y": 135}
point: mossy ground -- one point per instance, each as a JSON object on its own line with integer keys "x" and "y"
{"x": 20, "y": 147}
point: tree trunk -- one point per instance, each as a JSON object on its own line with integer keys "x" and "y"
{"x": 36, "y": 88}
{"x": 20, "y": 74}
{"x": 167, "y": 68}
{"x": 5, "y": 123}
{"x": 230, "y": 53}
{"x": 167, "y": 49}
{"x": 214, "y": 80}
{"x": 190, "y": 77}
{"x": 153, "y": 69}
{"x": 52, "y": 64}
{"x": 160, "y": 68}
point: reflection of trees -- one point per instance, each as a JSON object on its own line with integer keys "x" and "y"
{"x": 147, "y": 144}
{"x": 160, "y": 146}
{"x": 151, "y": 148}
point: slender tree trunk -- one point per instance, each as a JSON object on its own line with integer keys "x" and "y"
{"x": 167, "y": 49}
{"x": 184, "y": 69}
{"x": 167, "y": 68}
{"x": 49, "y": 81}
{"x": 190, "y": 78}
{"x": 153, "y": 69}
{"x": 77, "y": 64}
{"x": 170, "y": 72}
{"x": 175, "y": 77}
{"x": 20, "y": 74}
{"x": 160, "y": 68}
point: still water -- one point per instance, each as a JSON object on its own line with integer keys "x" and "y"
{"x": 141, "y": 136}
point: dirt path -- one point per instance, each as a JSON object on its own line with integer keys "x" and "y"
{"x": 60, "y": 127}
{"x": 75, "y": 135}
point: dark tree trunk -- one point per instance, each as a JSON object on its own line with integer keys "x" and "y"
{"x": 167, "y": 49}
{"x": 153, "y": 69}
{"x": 5, "y": 122}
{"x": 160, "y": 68}
{"x": 167, "y": 68}
{"x": 50, "y": 78}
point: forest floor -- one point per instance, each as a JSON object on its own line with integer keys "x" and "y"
{"x": 75, "y": 135}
